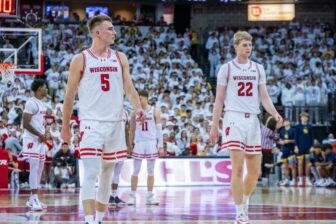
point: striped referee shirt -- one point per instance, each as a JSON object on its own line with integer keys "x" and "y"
{"x": 267, "y": 136}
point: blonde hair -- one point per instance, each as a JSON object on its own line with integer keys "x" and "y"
{"x": 241, "y": 35}
{"x": 96, "y": 21}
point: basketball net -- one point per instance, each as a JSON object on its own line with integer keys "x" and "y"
{"x": 7, "y": 70}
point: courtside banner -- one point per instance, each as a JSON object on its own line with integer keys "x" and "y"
{"x": 179, "y": 172}
{"x": 271, "y": 12}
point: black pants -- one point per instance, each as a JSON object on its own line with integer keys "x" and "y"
{"x": 267, "y": 157}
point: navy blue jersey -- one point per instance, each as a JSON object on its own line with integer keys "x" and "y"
{"x": 304, "y": 138}
{"x": 287, "y": 135}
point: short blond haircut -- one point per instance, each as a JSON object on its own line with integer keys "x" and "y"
{"x": 241, "y": 35}
{"x": 96, "y": 21}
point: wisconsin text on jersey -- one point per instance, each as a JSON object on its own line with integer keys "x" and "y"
{"x": 104, "y": 69}
{"x": 244, "y": 77}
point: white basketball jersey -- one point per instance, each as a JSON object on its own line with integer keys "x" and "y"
{"x": 146, "y": 130}
{"x": 38, "y": 109}
{"x": 242, "y": 82}
{"x": 100, "y": 91}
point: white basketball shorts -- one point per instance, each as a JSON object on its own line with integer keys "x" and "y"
{"x": 241, "y": 131}
{"x": 145, "y": 149}
{"x": 33, "y": 149}
{"x": 103, "y": 139}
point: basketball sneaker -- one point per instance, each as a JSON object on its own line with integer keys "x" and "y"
{"x": 242, "y": 217}
{"x": 131, "y": 199}
{"x": 34, "y": 204}
{"x": 112, "y": 201}
{"x": 151, "y": 199}
{"x": 119, "y": 202}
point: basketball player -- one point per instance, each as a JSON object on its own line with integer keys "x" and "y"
{"x": 33, "y": 140}
{"x": 101, "y": 77}
{"x": 147, "y": 139}
{"x": 241, "y": 85}
{"x": 115, "y": 201}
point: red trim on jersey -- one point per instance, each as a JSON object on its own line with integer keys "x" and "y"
{"x": 228, "y": 75}
{"x": 250, "y": 65}
{"x": 251, "y": 147}
{"x": 92, "y": 54}
{"x": 118, "y": 58}
{"x": 90, "y": 154}
{"x": 114, "y": 158}
{"x": 88, "y": 149}
{"x": 235, "y": 64}
{"x": 30, "y": 153}
{"x": 258, "y": 72}
{"x": 115, "y": 153}
{"x": 84, "y": 65}
{"x": 109, "y": 53}
{"x": 255, "y": 150}
{"x": 144, "y": 155}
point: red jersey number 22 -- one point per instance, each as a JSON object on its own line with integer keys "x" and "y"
{"x": 105, "y": 82}
{"x": 245, "y": 89}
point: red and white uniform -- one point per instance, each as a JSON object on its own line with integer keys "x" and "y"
{"x": 101, "y": 96}
{"x": 32, "y": 148}
{"x": 145, "y": 141}
{"x": 241, "y": 126}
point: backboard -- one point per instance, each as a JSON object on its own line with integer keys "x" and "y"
{"x": 22, "y": 46}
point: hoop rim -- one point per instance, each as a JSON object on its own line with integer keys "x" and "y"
{"x": 7, "y": 65}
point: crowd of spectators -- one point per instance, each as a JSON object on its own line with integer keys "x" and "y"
{"x": 161, "y": 62}
{"x": 299, "y": 59}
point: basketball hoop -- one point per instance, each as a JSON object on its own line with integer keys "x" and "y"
{"x": 7, "y": 70}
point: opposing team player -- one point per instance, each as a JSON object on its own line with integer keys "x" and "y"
{"x": 101, "y": 77}
{"x": 148, "y": 144}
{"x": 33, "y": 140}
{"x": 241, "y": 85}
{"x": 115, "y": 201}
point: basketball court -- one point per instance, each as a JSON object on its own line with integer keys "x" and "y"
{"x": 181, "y": 205}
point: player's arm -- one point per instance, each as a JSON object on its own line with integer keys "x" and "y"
{"x": 266, "y": 101}
{"x": 219, "y": 103}
{"x": 75, "y": 71}
{"x": 222, "y": 78}
{"x": 26, "y": 118}
{"x": 130, "y": 91}
{"x": 159, "y": 135}
{"x": 131, "y": 132}
{"x": 265, "y": 98}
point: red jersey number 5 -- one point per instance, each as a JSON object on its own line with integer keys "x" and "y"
{"x": 105, "y": 82}
{"x": 245, "y": 89}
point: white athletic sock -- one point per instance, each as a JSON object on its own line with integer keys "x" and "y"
{"x": 246, "y": 199}
{"x": 239, "y": 209}
{"x": 89, "y": 218}
{"x": 114, "y": 193}
{"x": 99, "y": 216}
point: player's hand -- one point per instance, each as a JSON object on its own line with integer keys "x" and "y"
{"x": 279, "y": 120}
{"x": 140, "y": 115}
{"x": 213, "y": 135}
{"x": 42, "y": 138}
{"x": 66, "y": 134}
{"x": 161, "y": 151}
{"x": 281, "y": 142}
{"x": 129, "y": 150}
{"x": 296, "y": 149}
